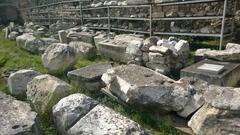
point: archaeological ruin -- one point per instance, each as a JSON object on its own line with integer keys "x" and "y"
{"x": 119, "y": 67}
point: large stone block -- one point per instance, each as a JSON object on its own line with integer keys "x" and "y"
{"x": 145, "y": 88}
{"x": 111, "y": 51}
{"x": 220, "y": 114}
{"x": 89, "y": 77}
{"x": 83, "y": 49}
{"x": 214, "y": 72}
{"x": 102, "y": 120}
{"x": 44, "y": 91}
{"x": 63, "y": 36}
{"x": 17, "y": 117}
{"x": 87, "y": 37}
{"x": 69, "y": 110}
{"x": 17, "y": 82}
{"x": 59, "y": 57}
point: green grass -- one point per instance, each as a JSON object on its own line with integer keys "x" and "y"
{"x": 13, "y": 58}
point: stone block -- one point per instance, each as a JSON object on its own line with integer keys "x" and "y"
{"x": 89, "y": 77}
{"x": 63, "y": 36}
{"x": 214, "y": 72}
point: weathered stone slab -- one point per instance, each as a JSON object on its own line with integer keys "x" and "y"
{"x": 99, "y": 38}
{"x": 212, "y": 68}
{"x": 59, "y": 57}
{"x": 83, "y": 49}
{"x": 227, "y": 76}
{"x": 63, "y": 36}
{"x": 102, "y": 121}
{"x": 220, "y": 114}
{"x": 111, "y": 51}
{"x": 89, "y": 77}
{"x": 69, "y": 110}
{"x": 87, "y": 37}
{"x": 230, "y": 54}
{"x": 44, "y": 91}
{"x": 17, "y": 117}
{"x": 17, "y": 82}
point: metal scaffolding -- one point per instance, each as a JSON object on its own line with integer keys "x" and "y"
{"x": 46, "y": 14}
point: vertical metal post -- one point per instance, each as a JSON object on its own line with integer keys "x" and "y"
{"x": 223, "y": 24}
{"x": 62, "y": 6}
{"x": 81, "y": 14}
{"x": 150, "y": 20}
{"x": 48, "y": 6}
{"x": 234, "y": 11}
{"x": 109, "y": 21}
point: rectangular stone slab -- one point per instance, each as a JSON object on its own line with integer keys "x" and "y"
{"x": 212, "y": 68}
{"x": 229, "y": 75}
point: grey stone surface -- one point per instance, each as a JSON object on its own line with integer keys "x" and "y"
{"x": 69, "y": 110}
{"x": 220, "y": 114}
{"x": 87, "y": 37}
{"x": 89, "y": 77}
{"x": 99, "y": 38}
{"x": 229, "y": 76}
{"x": 230, "y": 54}
{"x": 22, "y": 39}
{"x": 145, "y": 88}
{"x": 116, "y": 48}
{"x": 44, "y": 91}
{"x": 83, "y": 49}
{"x": 59, "y": 57}
{"x": 13, "y": 35}
{"x": 17, "y": 117}
{"x": 113, "y": 51}
{"x": 32, "y": 45}
{"x": 63, "y": 36}
{"x": 102, "y": 120}
{"x": 17, "y": 82}
{"x": 212, "y": 68}
{"x": 46, "y": 42}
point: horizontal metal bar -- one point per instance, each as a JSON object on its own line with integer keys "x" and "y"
{"x": 187, "y": 18}
{"x": 187, "y": 34}
{"x": 129, "y": 18}
{"x": 95, "y": 18}
{"x": 129, "y": 6}
{"x": 127, "y": 30}
{"x": 94, "y": 8}
{"x": 185, "y": 2}
{"x": 100, "y": 28}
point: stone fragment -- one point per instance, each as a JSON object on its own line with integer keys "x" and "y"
{"x": 46, "y": 42}
{"x": 160, "y": 49}
{"x": 182, "y": 47}
{"x": 228, "y": 76}
{"x": 17, "y": 117}
{"x": 33, "y": 44}
{"x": 23, "y": 38}
{"x": 13, "y": 35}
{"x": 102, "y": 120}
{"x": 83, "y": 49}
{"x": 220, "y": 114}
{"x": 59, "y": 57}
{"x": 87, "y": 37}
{"x": 69, "y": 110}
{"x": 111, "y": 51}
{"x": 44, "y": 91}
{"x": 63, "y": 36}
{"x": 17, "y": 82}
{"x": 199, "y": 54}
{"x": 142, "y": 87}
{"x": 99, "y": 38}
{"x": 89, "y": 77}
{"x": 231, "y": 53}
